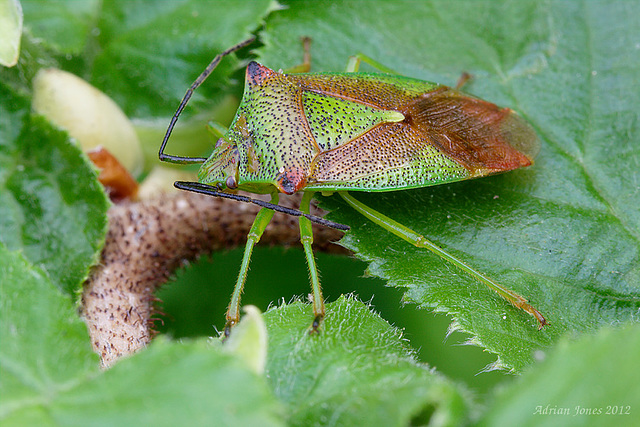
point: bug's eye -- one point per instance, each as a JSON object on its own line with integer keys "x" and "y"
{"x": 231, "y": 182}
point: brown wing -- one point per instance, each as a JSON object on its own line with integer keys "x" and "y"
{"x": 446, "y": 136}
{"x": 483, "y": 137}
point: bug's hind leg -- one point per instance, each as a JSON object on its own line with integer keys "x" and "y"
{"x": 463, "y": 80}
{"x": 353, "y": 65}
{"x": 420, "y": 241}
{"x": 305, "y": 66}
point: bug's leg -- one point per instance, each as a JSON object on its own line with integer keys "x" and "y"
{"x": 306, "y": 237}
{"x": 216, "y": 130}
{"x": 259, "y": 224}
{"x": 306, "y": 59}
{"x": 464, "y": 78}
{"x": 353, "y": 65}
{"x": 422, "y": 242}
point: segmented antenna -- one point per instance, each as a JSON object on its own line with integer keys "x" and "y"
{"x": 208, "y": 190}
{"x": 201, "y": 78}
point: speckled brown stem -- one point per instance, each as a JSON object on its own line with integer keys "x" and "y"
{"x": 147, "y": 240}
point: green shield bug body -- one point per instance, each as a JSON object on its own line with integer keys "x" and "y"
{"x": 335, "y": 132}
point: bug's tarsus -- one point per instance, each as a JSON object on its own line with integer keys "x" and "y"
{"x": 305, "y": 66}
{"x": 463, "y": 80}
{"x": 201, "y": 78}
{"x": 227, "y": 330}
{"x": 208, "y": 190}
{"x": 306, "y": 46}
{"x": 316, "y": 324}
{"x": 542, "y": 322}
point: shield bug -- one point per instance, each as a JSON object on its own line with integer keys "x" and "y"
{"x": 352, "y": 131}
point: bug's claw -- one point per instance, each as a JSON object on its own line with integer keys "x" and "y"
{"x": 540, "y": 318}
{"x": 524, "y": 305}
{"x": 316, "y": 324}
{"x": 227, "y": 328}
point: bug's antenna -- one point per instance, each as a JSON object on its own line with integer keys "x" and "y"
{"x": 201, "y": 78}
{"x": 208, "y": 190}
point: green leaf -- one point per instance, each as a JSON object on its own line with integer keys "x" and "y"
{"x": 212, "y": 279}
{"x": 63, "y": 26}
{"x": 156, "y": 50}
{"x": 567, "y": 388}
{"x": 563, "y": 233}
{"x": 356, "y": 371}
{"x": 249, "y": 339}
{"x": 49, "y": 376}
{"x": 45, "y": 349}
{"x": 146, "y": 54}
{"x": 173, "y": 384}
{"x": 51, "y": 205}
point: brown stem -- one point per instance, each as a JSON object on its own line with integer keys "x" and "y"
{"x": 148, "y": 240}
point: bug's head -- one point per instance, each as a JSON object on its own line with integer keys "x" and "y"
{"x": 221, "y": 168}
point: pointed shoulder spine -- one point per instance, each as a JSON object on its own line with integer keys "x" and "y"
{"x": 258, "y": 73}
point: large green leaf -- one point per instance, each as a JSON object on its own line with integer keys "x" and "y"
{"x": 50, "y": 376}
{"x": 563, "y": 233}
{"x": 358, "y": 371}
{"x": 51, "y": 204}
{"x": 567, "y": 388}
{"x": 44, "y": 348}
{"x": 156, "y": 50}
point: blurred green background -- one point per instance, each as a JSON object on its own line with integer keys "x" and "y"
{"x": 195, "y": 302}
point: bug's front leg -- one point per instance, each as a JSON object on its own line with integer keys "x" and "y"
{"x": 306, "y": 237}
{"x": 257, "y": 229}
